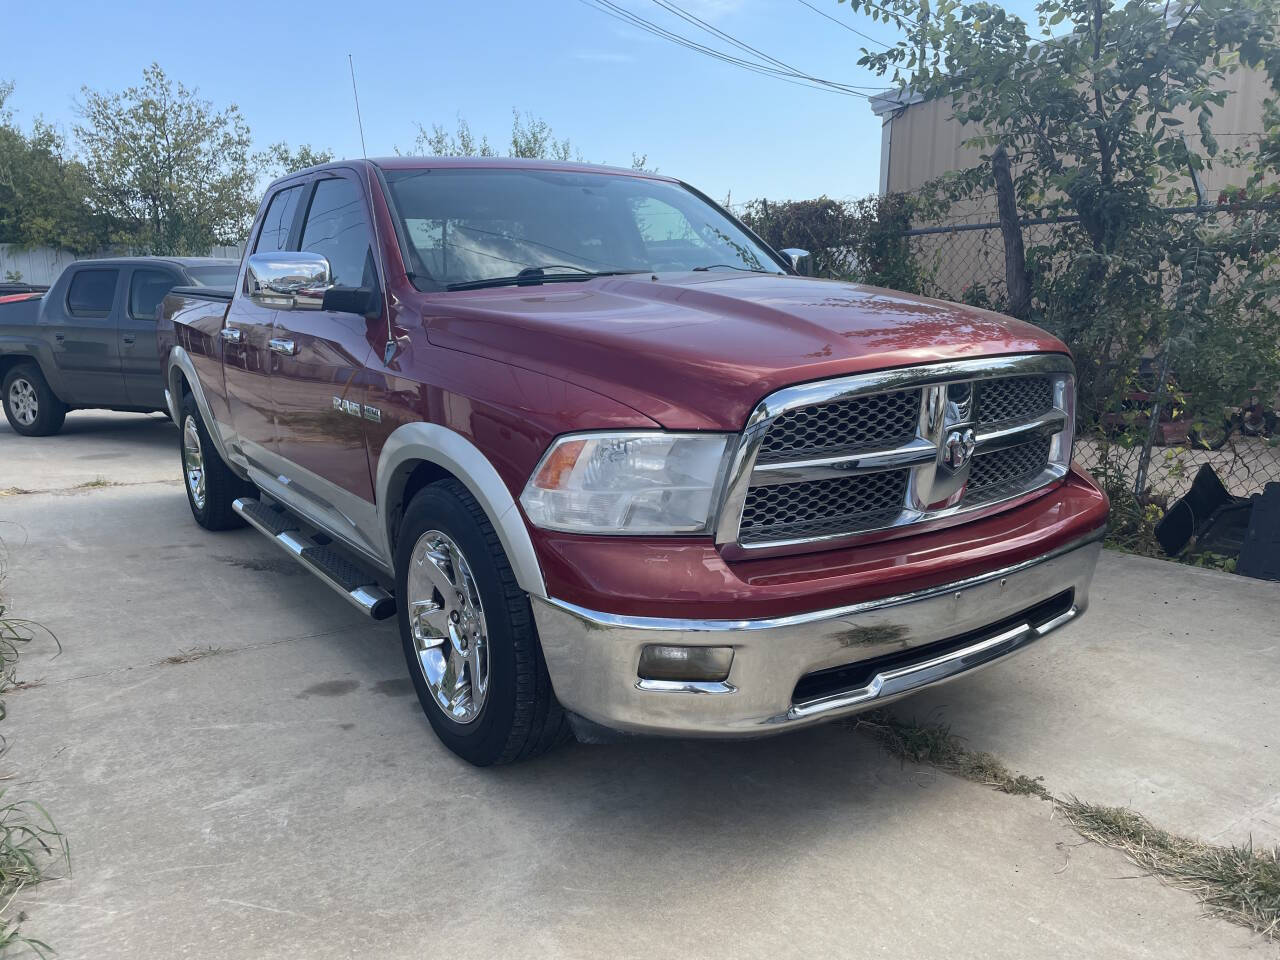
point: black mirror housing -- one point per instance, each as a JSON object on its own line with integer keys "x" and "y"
{"x": 364, "y": 301}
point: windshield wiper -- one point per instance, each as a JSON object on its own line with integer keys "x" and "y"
{"x": 531, "y": 276}
{"x": 730, "y": 266}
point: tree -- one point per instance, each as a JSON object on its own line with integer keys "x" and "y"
{"x": 439, "y": 142}
{"x": 859, "y": 240}
{"x": 531, "y": 138}
{"x": 43, "y": 190}
{"x": 1091, "y": 111}
{"x": 279, "y": 161}
{"x": 173, "y": 174}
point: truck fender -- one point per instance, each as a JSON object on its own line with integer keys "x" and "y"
{"x": 414, "y": 443}
{"x": 18, "y": 349}
{"x": 177, "y": 367}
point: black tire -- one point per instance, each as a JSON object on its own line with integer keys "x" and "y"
{"x": 520, "y": 717}
{"x": 1210, "y": 436}
{"x": 25, "y": 385}
{"x": 221, "y": 486}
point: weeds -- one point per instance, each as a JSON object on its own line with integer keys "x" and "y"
{"x": 30, "y": 841}
{"x": 95, "y": 483}
{"x": 1240, "y": 884}
{"x": 11, "y": 934}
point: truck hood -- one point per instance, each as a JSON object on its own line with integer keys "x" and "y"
{"x": 697, "y": 351}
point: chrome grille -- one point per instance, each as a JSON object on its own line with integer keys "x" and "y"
{"x": 793, "y": 510}
{"x": 1011, "y": 466}
{"x": 1014, "y": 398}
{"x": 842, "y": 427}
{"x": 829, "y": 460}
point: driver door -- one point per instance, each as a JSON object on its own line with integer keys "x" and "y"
{"x": 319, "y": 373}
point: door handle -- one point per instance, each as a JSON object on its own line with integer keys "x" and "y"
{"x": 231, "y": 334}
{"x": 130, "y": 339}
{"x": 284, "y": 347}
{"x": 59, "y": 337}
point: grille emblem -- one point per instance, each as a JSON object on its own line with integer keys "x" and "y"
{"x": 959, "y": 448}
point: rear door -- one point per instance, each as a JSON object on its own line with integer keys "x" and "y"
{"x": 80, "y": 320}
{"x": 139, "y": 353}
{"x": 319, "y": 384}
{"x": 246, "y": 359}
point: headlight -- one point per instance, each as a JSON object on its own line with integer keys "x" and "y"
{"x": 627, "y": 483}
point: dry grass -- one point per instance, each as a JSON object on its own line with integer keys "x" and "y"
{"x": 30, "y": 842}
{"x": 1236, "y": 883}
{"x": 1240, "y": 884}
{"x": 191, "y": 654}
{"x": 95, "y": 483}
{"x": 15, "y": 492}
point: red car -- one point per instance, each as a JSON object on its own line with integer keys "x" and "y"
{"x": 614, "y": 464}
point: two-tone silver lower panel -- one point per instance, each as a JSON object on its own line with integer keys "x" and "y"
{"x": 593, "y": 657}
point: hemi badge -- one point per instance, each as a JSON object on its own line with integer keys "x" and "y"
{"x": 372, "y": 413}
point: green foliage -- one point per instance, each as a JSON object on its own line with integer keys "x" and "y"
{"x": 173, "y": 173}
{"x": 858, "y": 240}
{"x": 531, "y": 137}
{"x": 1105, "y": 108}
{"x": 43, "y": 189}
{"x": 280, "y": 161}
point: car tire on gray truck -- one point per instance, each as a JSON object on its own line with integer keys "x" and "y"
{"x": 30, "y": 405}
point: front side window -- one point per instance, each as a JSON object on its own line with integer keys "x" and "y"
{"x": 146, "y": 289}
{"x": 469, "y": 226}
{"x": 92, "y": 292}
{"x": 338, "y": 228}
{"x": 277, "y": 221}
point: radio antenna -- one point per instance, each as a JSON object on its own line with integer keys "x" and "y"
{"x": 390, "y": 348}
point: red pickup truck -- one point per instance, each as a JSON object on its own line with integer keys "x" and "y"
{"x": 614, "y": 464}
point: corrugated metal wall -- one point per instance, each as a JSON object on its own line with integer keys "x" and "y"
{"x": 43, "y": 264}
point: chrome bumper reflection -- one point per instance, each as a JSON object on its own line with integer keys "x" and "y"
{"x": 593, "y": 657}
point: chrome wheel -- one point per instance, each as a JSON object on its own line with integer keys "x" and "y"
{"x": 447, "y": 620}
{"x": 23, "y": 402}
{"x": 193, "y": 461}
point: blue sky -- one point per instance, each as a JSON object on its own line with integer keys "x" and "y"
{"x": 608, "y": 86}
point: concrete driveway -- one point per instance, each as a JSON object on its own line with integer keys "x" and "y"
{"x": 283, "y": 797}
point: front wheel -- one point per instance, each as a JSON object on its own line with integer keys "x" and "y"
{"x": 30, "y": 405}
{"x": 211, "y": 485}
{"x": 468, "y": 633}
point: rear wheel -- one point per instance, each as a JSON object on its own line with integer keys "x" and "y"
{"x": 468, "y": 633}
{"x": 30, "y": 405}
{"x": 211, "y": 485}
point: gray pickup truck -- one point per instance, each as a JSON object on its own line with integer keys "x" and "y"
{"x": 90, "y": 340}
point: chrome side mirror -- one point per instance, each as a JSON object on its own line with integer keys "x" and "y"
{"x": 801, "y": 261}
{"x": 287, "y": 280}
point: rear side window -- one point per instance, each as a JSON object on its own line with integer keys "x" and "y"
{"x": 337, "y": 227}
{"x": 146, "y": 289}
{"x": 91, "y": 292}
{"x": 279, "y": 218}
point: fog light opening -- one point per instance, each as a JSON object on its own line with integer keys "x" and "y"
{"x": 697, "y": 664}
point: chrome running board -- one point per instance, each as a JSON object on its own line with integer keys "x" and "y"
{"x": 347, "y": 577}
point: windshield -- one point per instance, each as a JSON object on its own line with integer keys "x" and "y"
{"x": 470, "y": 226}
{"x": 222, "y": 277}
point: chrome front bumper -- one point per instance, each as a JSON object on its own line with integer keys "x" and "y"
{"x": 958, "y": 627}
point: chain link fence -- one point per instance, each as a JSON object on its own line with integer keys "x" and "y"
{"x": 964, "y": 260}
